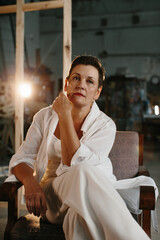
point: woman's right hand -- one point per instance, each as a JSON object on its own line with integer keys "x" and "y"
{"x": 62, "y": 105}
{"x": 35, "y": 198}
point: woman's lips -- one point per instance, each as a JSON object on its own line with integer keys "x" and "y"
{"x": 79, "y": 94}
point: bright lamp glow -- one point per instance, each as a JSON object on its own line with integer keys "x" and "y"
{"x": 156, "y": 110}
{"x": 25, "y": 90}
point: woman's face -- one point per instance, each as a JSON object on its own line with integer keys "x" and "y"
{"x": 82, "y": 85}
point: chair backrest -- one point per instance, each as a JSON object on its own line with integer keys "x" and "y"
{"x": 125, "y": 154}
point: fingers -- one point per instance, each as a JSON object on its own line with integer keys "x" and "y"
{"x": 61, "y": 104}
{"x": 29, "y": 205}
{"x": 36, "y": 205}
{"x": 61, "y": 98}
{"x": 37, "y": 208}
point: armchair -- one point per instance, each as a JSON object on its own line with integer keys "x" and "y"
{"x": 127, "y": 159}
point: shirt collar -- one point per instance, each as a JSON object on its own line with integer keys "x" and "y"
{"x": 92, "y": 115}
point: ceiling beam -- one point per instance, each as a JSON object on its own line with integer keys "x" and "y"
{"x": 35, "y": 6}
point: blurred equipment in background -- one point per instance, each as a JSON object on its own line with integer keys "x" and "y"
{"x": 125, "y": 96}
{"x": 6, "y": 117}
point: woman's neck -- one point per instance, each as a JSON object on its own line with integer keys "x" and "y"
{"x": 79, "y": 115}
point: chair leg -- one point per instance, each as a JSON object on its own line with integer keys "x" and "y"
{"x": 147, "y": 222}
{"x": 147, "y": 203}
{"x": 12, "y": 217}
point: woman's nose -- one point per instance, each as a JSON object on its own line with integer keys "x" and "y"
{"x": 80, "y": 87}
{"x": 81, "y": 84}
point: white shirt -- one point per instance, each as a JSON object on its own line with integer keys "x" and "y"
{"x": 98, "y": 136}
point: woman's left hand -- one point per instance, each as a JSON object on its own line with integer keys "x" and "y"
{"x": 62, "y": 105}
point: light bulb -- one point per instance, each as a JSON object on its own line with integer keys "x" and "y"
{"x": 25, "y": 90}
{"x": 156, "y": 110}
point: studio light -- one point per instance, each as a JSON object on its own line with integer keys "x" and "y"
{"x": 25, "y": 90}
{"x": 156, "y": 110}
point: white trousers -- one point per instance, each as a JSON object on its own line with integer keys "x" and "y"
{"x": 93, "y": 208}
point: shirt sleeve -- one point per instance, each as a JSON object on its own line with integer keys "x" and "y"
{"x": 29, "y": 148}
{"x": 94, "y": 147}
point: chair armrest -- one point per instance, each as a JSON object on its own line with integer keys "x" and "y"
{"x": 143, "y": 171}
{"x": 147, "y": 193}
{"x": 147, "y": 198}
{"x": 8, "y": 190}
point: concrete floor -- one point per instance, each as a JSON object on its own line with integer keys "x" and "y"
{"x": 151, "y": 161}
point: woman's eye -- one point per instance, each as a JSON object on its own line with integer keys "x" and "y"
{"x": 76, "y": 78}
{"x": 90, "y": 81}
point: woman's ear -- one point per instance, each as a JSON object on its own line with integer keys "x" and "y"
{"x": 98, "y": 93}
{"x": 66, "y": 85}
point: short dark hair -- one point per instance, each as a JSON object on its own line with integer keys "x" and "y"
{"x": 89, "y": 60}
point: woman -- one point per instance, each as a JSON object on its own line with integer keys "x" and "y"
{"x": 63, "y": 162}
